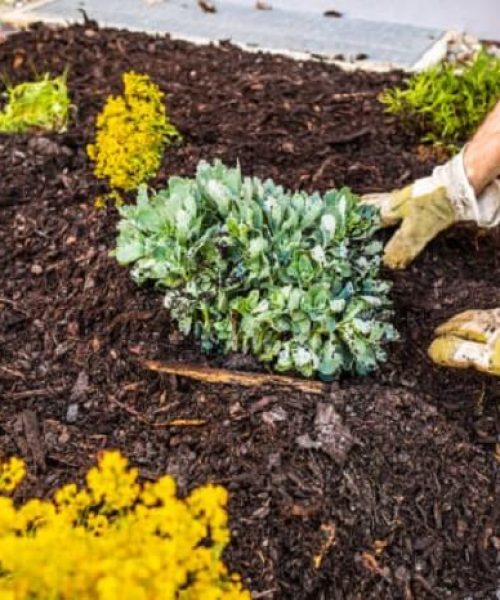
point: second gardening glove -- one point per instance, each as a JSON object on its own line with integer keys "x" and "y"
{"x": 431, "y": 205}
{"x": 470, "y": 339}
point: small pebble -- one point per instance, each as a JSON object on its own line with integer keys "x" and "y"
{"x": 72, "y": 413}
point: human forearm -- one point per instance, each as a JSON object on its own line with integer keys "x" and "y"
{"x": 482, "y": 153}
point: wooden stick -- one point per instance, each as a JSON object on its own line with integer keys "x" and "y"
{"x": 39, "y": 393}
{"x": 227, "y": 377}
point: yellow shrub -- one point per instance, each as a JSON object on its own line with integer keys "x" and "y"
{"x": 132, "y": 131}
{"x": 115, "y": 539}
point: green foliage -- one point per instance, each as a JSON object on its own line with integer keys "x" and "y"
{"x": 37, "y": 105}
{"x": 289, "y": 277}
{"x": 448, "y": 103}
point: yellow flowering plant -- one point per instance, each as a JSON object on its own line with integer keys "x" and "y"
{"x": 132, "y": 132}
{"x": 115, "y": 539}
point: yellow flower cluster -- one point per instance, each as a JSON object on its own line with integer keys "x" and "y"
{"x": 132, "y": 131}
{"x": 115, "y": 539}
{"x": 12, "y": 473}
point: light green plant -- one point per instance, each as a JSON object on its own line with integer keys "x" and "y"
{"x": 246, "y": 266}
{"x": 447, "y": 102}
{"x": 32, "y": 106}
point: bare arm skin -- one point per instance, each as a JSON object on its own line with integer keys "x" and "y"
{"x": 482, "y": 153}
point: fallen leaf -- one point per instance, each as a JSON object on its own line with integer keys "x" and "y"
{"x": 207, "y": 6}
{"x": 332, "y": 13}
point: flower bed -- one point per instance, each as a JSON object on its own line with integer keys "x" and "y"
{"x": 383, "y": 488}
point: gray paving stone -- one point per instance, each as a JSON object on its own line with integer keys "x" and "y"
{"x": 278, "y": 29}
{"x": 479, "y": 18}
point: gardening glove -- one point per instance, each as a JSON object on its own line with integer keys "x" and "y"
{"x": 431, "y": 205}
{"x": 470, "y": 339}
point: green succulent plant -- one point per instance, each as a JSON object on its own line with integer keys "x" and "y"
{"x": 292, "y": 278}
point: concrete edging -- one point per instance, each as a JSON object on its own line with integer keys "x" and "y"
{"x": 24, "y": 16}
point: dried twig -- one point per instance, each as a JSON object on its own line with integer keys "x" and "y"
{"x": 351, "y": 137}
{"x": 225, "y": 376}
{"x": 39, "y": 393}
{"x": 14, "y": 305}
{"x": 143, "y": 419}
{"x": 130, "y": 410}
{"x": 348, "y": 96}
{"x": 180, "y": 423}
{"x": 135, "y": 315}
{"x": 12, "y": 372}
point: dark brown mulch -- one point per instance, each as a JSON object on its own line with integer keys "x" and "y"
{"x": 393, "y": 495}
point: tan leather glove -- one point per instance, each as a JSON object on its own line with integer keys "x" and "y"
{"x": 431, "y": 205}
{"x": 470, "y": 339}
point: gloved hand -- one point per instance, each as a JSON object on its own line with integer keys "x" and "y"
{"x": 470, "y": 339}
{"x": 431, "y": 205}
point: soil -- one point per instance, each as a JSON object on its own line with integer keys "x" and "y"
{"x": 387, "y": 487}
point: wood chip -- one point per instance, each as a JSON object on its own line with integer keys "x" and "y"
{"x": 328, "y": 535}
{"x": 31, "y": 430}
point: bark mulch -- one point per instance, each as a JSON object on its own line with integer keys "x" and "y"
{"x": 385, "y": 488}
